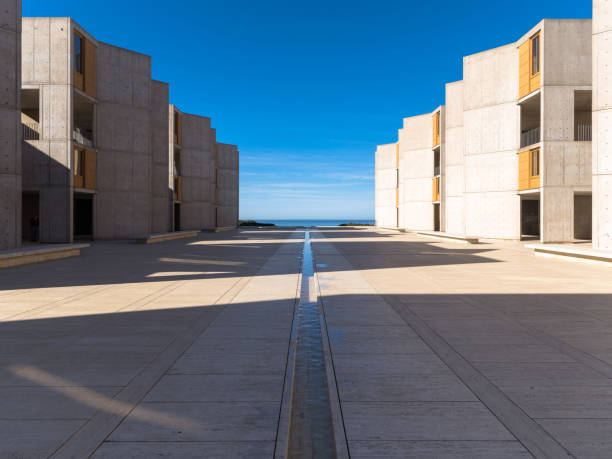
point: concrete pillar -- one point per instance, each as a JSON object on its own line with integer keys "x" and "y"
{"x": 602, "y": 124}
{"x": 10, "y": 126}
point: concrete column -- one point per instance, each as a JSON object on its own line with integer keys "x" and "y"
{"x": 602, "y": 124}
{"x": 10, "y": 126}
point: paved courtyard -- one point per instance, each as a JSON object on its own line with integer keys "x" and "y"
{"x": 192, "y": 349}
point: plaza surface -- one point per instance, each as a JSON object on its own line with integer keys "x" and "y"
{"x": 185, "y": 349}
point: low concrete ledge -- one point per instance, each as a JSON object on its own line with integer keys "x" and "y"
{"x": 224, "y": 228}
{"x": 448, "y": 237}
{"x": 164, "y": 237}
{"x": 571, "y": 252}
{"x": 39, "y": 253}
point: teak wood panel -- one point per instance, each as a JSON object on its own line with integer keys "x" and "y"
{"x": 436, "y": 129}
{"x": 528, "y": 83}
{"x": 436, "y": 189}
{"x": 90, "y": 68}
{"x": 90, "y": 170}
{"x": 526, "y": 181}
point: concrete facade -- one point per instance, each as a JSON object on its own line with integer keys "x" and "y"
{"x": 386, "y": 192}
{"x": 195, "y": 171}
{"x": 227, "y": 185}
{"x": 491, "y": 126}
{"x": 10, "y": 128}
{"x": 160, "y": 188}
{"x": 416, "y": 172}
{"x": 493, "y": 135}
{"x": 454, "y": 183}
{"x": 602, "y": 124}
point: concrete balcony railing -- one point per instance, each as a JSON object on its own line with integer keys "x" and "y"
{"x": 530, "y": 137}
{"x": 31, "y": 130}
{"x": 583, "y": 133}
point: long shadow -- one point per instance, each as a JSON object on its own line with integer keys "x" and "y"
{"x": 221, "y": 255}
{"x": 549, "y": 354}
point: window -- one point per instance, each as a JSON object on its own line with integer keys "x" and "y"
{"x": 535, "y": 55}
{"x": 79, "y": 159}
{"x": 535, "y": 163}
{"x": 78, "y": 53}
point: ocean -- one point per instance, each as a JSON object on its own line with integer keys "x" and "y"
{"x": 308, "y": 223}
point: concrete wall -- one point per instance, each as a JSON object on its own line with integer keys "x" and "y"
{"x": 602, "y": 124}
{"x": 161, "y": 220}
{"x": 10, "y": 125}
{"x": 385, "y": 209}
{"x": 454, "y": 160}
{"x": 227, "y": 185}
{"x": 198, "y": 154}
{"x": 566, "y": 164}
{"x": 491, "y": 129}
{"x": 46, "y": 66}
{"x": 416, "y": 173}
{"x": 123, "y": 205}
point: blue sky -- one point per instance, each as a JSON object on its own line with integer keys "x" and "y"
{"x": 307, "y": 89}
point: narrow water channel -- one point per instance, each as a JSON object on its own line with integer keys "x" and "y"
{"x": 311, "y": 429}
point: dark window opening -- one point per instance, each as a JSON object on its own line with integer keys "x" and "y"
{"x": 436, "y": 163}
{"x": 83, "y": 216}
{"x": 177, "y": 217}
{"x": 436, "y": 217}
{"x": 583, "y": 116}
{"x": 583, "y": 216}
{"x": 530, "y": 217}
{"x": 30, "y": 222}
{"x": 78, "y": 53}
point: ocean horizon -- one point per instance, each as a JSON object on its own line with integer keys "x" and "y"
{"x": 313, "y": 222}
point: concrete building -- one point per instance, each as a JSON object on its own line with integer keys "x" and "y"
{"x": 602, "y": 122}
{"x": 416, "y": 173}
{"x": 387, "y": 198}
{"x": 95, "y": 148}
{"x": 193, "y": 150}
{"x": 511, "y": 149}
{"x": 227, "y": 177}
{"x": 10, "y": 128}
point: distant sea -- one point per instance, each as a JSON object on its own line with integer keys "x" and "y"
{"x": 308, "y": 223}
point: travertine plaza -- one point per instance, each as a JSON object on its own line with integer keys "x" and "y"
{"x": 435, "y": 334}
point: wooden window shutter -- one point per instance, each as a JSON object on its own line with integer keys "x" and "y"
{"x": 90, "y": 68}
{"x": 524, "y": 69}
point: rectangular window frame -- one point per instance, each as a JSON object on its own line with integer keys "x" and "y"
{"x": 79, "y": 162}
{"x": 534, "y": 163}
{"x": 78, "y": 54}
{"x": 536, "y": 54}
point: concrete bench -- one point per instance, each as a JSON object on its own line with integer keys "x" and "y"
{"x": 164, "y": 237}
{"x": 448, "y": 237}
{"x": 571, "y": 252}
{"x": 39, "y": 253}
{"x": 224, "y": 228}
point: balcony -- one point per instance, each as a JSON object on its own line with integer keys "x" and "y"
{"x": 583, "y": 133}
{"x": 83, "y": 137}
{"x": 530, "y": 137}
{"x": 31, "y": 129}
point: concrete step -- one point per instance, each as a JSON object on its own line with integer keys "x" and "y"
{"x": 39, "y": 253}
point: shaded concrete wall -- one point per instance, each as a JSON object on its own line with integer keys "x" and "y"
{"x": 47, "y": 163}
{"x": 454, "y": 160}
{"x": 602, "y": 124}
{"x": 491, "y": 129}
{"x": 198, "y": 173}
{"x": 227, "y": 185}
{"x": 566, "y": 164}
{"x": 416, "y": 173}
{"x": 385, "y": 209}
{"x": 123, "y": 131}
{"x": 10, "y": 125}
{"x": 161, "y": 220}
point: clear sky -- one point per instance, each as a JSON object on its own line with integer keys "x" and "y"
{"x": 307, "y": 89}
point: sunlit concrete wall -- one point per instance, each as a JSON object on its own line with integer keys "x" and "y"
{"x": 602, "y": 124}
{"x": 162, "y": 194}
{"x": 227, "y": 185}
{"x": 10, "y": 125}
{"x": 416, "y": 173}
{"x": 198, "y": 154}
{"x": 491, "y": 129}
{"x": 454, "y": 160}
{"x": 47, "y": 162}
{"x": 123, "y": 203}
{"x": 385, "y": 209}
{"x": 566, "y": 163}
